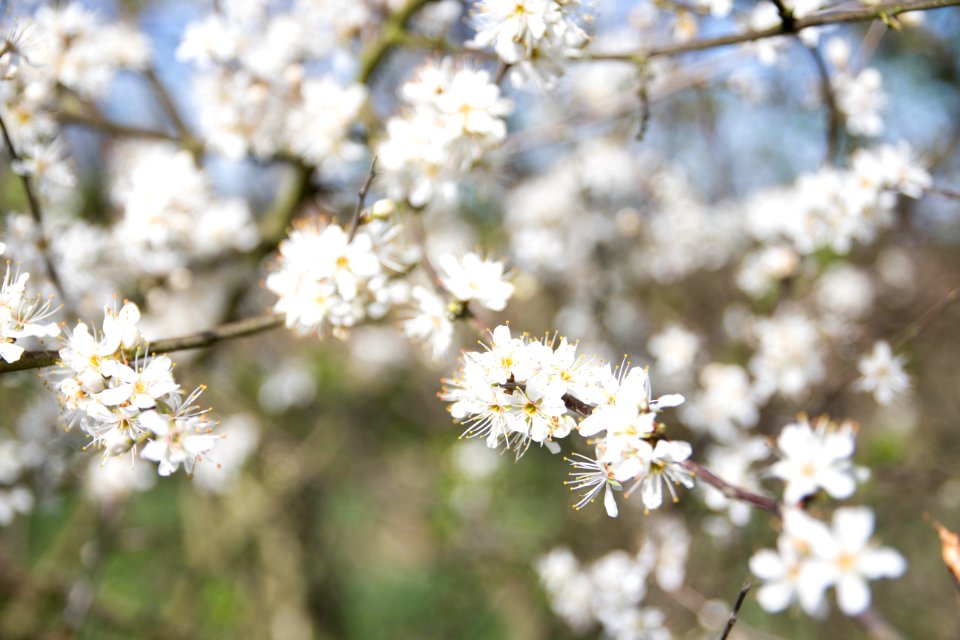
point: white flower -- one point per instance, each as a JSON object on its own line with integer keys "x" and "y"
{"x": 860, "y": 98}
{"x": 182, "y": 438}
{"x": 593, "y": 476}
{"x": 787, "y": 573}
{"x": 539, "y": 414}
{"x": 431, "y": 323}
{"x": 665, "y": 468}
{"x": 481, "y": 406}
{"x": 789, "y": 355}
{"x": 851, "y": 560}
{"x": 513, "y": 27}
{"x": 456, "y": 116}
{"x": 726, "y": 404}
{"x": 882, "y": 374}
{"x": 891, "y": 167}
{"x": 317, "y": 129}
{"x": 323, "y": 275}
{"x": 811, "y": 558}
{"x": 675, "y": 349}
{"x": 21, "y": 315}
{"x": 815, "y": 457}
{"x": 472, "y": 278}
{"x": 141, "y": 385}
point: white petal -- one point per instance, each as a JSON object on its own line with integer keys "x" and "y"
{"x": 775, "y": 596}
{"x": 853, "y": 595}
{"x": 610, "y": 502}
{"x": 852, "y": 527}
{"x": 767, "y": 565}
{"x": 882, "y": 563}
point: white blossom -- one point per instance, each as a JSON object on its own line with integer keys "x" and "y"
{"x": 814, "y": 457}
{"x": 882, "y": 374}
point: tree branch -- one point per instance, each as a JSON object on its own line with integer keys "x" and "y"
{"x": 206, "y": 338}
{"x": 834, "y": 119}
{"x": 732, "y": 491}
{"x": 391, "y": 35}
{"x": 841, "y": 16}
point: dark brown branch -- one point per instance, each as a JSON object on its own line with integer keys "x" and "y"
{"x": 879, "y": 12}
{"x": 36, "y": 213}
{"x": 736, "y": 608}
{"x": 732, "y": 491}
{"x": 206, "y": 338}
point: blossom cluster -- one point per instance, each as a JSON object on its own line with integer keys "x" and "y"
{"x": 324, "y": 277}
{"x": 63, "y": 47}
{"x": 256, "y": 94}
{"x": 454, "y": 115}
{"x": 164, "y": 224}
{"x": 535, "y": 35}
{"x": 610, "y": 590}
{"x": 522, "y": 391}
{"x": 129, "y": 406}
{"x": 836, "y": 208}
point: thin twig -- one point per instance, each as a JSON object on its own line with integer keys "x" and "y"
{"x": 502, "y": 70}
{"x": 877, "y": 627}
{"x": 362, "y": 197}
{"x": 206, "y": 338}
{"x": 829, "y": 101}
{"x": 736, "y": 609}
{"x": 868, "y": 46}
{"x": 36, "y": 213}
{"x": 952, "y": 194}
{"x": 912, "y": 330}
{"x": 731, "y": 491}
{"x": 113, "y": 128}
{"x": 168, "y": 106}
{"x": 859, "y": 14}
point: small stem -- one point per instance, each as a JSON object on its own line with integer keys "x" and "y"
{"x": 169, "y": 107}
{"x": 736, "y": 608}
{"x": 830, "y": 102}
{"x": 361, "y": 198}
{"x": 732, "y": 491}
{"x": 113, "y": 128}
{"x": 952, "y": 194}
